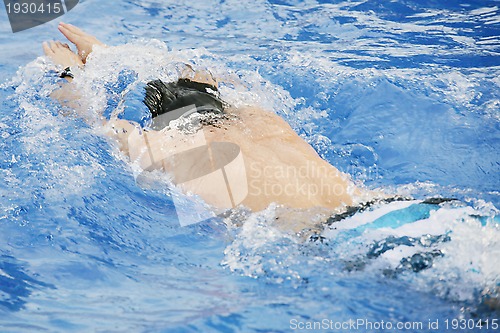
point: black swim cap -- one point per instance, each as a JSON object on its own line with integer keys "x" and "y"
{"x": 181, "y": 98}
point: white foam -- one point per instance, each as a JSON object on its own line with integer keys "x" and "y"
{"x": 470, "y": 261}
{"x": 250, "y": 252}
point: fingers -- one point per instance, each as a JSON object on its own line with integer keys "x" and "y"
{"x": 71, "y": 28}
{"x": 52, "y": 47}
{"x": 61, "y": 45}
{"x": 83, "y": 41}
{"x": 76, "y": 35}
{"x": 61, "y": 54}
{"x": 69, "y": 34}
{"x": 49, "y": 48}
{"x": 73, "y": 33}
{"x": 46, "y": 49}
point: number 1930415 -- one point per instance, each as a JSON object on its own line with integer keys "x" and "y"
{"x": 34, "y": 8}
{"x": 471, "y": 324}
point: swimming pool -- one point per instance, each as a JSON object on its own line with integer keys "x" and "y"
{"x": 403, "y": 95}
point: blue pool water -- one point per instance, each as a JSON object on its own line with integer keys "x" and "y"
{"x": 401, "y": 94}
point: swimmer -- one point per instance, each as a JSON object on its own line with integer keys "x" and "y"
{"x": 277, "y": 165}
{"x": 280, "y": 166}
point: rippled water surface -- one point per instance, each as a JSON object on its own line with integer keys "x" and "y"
{"x": 402, "y": 95}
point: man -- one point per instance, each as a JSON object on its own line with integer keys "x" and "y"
{"x": 248, "y": 156}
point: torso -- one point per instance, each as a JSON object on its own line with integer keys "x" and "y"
{"x": 275, "y": 164}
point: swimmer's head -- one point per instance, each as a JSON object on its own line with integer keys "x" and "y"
{"x": 179, "y": 99}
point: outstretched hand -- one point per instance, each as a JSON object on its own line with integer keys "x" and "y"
{"x": 83, "y": 41}
{"x": 61, "y": 54}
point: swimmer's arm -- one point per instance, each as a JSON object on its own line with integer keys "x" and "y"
{"x": 132, "y": 138}
{"x": 67, "y": 95}
{"x": 120, "y": 130}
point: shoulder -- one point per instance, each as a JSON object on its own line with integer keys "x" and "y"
{"x": 263, "y": 122}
